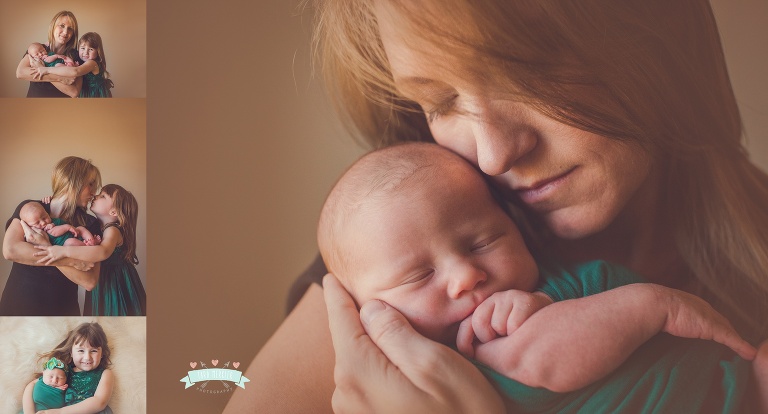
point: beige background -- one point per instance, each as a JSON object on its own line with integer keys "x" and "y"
{"x": 121, "y": 24}
{"x": 253, "y": 150}
{"x": 112, "y": 134}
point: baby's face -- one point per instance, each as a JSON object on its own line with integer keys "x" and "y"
{"x": 435, "y": 252}
{"x": 37, "y": 50}
{"x": 35, "y": 217}
{"x": 54, "y": 377}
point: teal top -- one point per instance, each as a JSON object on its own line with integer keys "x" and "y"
{"x": 82, "y": 385}
{"x": 46, "y": 397}
{"x": 665, "y": 375}
{"x": 96, "y": 86}
{"x": 59, "y": 241}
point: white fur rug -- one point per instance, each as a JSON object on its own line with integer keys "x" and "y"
{"x": 23, "y": 338}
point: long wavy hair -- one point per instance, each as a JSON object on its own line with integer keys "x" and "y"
{"x": 647, "y": 71}
{"x": 71, "y": 42}
{"x": 70, "y": 175}
{"x": 127, "y": 209}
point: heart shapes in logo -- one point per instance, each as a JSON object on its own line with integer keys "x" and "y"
{"x": 215, "y": 362}
{"x": 193, "y": 364}
{"x": 235, "y": 364}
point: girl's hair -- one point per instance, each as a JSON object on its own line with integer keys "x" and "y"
{"x": 93, "y": 40}
{"x": 127, "y": 215}
{"x": 88, "y": 331}
{"x": 70, "y": 175}
{"x": 647, "y": 71}
{"x": 71, "y": 42}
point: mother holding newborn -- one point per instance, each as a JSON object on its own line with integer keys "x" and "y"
{"x": 62, "y": 35}
{"x": 36, "y": 290}
{"x": 613, "y": 123}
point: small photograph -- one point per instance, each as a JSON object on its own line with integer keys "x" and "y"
{"x": 96, "y": 364}
{"x": 74, "y": 240}
{"x": 73, "y": 49}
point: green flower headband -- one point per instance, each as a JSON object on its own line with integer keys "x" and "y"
{"x": 54, "y": 363}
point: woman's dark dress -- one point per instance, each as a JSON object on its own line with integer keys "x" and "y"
{"x": 46, "y": 89}
{"x": 41, "y": 290}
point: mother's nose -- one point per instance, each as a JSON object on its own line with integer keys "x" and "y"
{"x": 500, "y": 141}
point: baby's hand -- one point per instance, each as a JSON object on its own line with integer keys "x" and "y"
{"x": 689, "y": 316}
{"x": 73, "y": 230}
{"x": 90, "y": 242}
{"x": 48, "y": 227}
{"x": 499, "y": 315}
{"x": 63, "y": 387}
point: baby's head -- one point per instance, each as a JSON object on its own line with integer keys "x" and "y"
{"x": 416, "y": 226}
{"x": 53, "y": 372}
{"x": 36, "y": 50}
{"x": 34, "y": 214}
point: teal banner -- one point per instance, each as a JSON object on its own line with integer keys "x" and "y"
{"x": 214, "y": 374}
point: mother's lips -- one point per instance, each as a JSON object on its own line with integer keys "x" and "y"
{"x": 539, "y": 189}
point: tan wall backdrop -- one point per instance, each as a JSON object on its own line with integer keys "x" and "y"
{"x": 121, "y": 24}
{"x": 112, "y": 134}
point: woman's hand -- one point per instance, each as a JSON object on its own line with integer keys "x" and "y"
{"x": 383, "y": 365}
{"x": 49, "y": 254}
{"x": 39, "y": 71}
{"x": 35, "y": 236}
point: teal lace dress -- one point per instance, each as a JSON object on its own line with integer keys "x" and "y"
{"x": 82, "y": 385}
{"x": 96, "y": 86}
{"x": 119, "y": 291}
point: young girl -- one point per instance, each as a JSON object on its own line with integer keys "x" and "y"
{"x": 86, "y": 353}
{"x": 96, "y": 82}
{"x": 119, "y": 291}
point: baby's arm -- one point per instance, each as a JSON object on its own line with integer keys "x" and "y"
{"x": 61, "y": 229}
{"x": 597, "y": 333}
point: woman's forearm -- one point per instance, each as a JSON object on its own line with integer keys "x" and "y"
{"x": 293, "y": 372}
{"x": 88, "y": 279}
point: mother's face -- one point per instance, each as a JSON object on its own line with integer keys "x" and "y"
{"x": 63, "y": 30}
{"x": 87, "y": 192}
{"x": 577, "y": 181}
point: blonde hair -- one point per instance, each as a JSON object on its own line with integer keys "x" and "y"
{"x": 91, "y": 332}
{"x": 93, "y": 40}
{"x": 647, "y": 71}
{"x": 70, "y": 175}
{"x": 71, "y": 42}
{"x": 127, "y": 209}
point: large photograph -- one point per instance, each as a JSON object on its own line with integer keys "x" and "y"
{"x": 623, "y": 131}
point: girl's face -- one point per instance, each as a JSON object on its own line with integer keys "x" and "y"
{"x": 85, "y": 357}
{"x": 102, "y": 204}
{"x": 87, "y": 52}
{"x": 63, "y": 30}
{"x": 577, "y": 181}
{"x": 87, "y": 192}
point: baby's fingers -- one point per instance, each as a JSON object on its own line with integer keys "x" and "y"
{"x": 465, "y": 338}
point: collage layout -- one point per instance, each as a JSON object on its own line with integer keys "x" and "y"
{"x": 73, "y": 275}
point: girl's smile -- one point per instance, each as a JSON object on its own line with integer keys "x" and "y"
{"x": 87, "y": 52}
{"x": 85, "y": 357}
